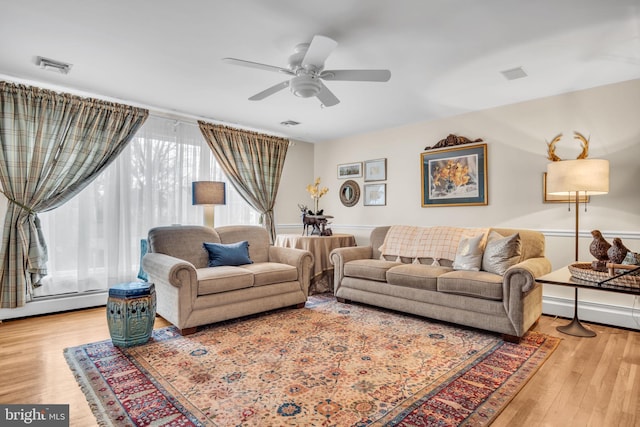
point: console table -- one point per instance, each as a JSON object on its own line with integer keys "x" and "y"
{"x": 320, "y": 247}
{"x": 563, "y": 277}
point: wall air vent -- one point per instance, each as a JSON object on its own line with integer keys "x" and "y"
{"x": 52, "y": 65}
{"x": 289, "y": 123}
{"x": 514, "y": 73}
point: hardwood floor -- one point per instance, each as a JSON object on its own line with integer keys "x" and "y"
{"x": 33, "y": 369}
{"x": 585, "y": 382}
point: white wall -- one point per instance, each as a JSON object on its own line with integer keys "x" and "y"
{"x": 297, "y": 172}
{"x": 516, "y": 137}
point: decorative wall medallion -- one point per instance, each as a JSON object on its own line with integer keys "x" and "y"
{"x": 452, "y": 140}
{"x": 349, "y": 193}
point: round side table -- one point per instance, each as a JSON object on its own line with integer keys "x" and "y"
{"x": 131, "y": 311}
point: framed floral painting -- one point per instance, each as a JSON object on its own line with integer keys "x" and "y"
{"x": 454, "y": 176}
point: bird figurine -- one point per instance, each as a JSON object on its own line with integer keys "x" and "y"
{"x": 618, "y": 251}
{"x": 599, "y": 246}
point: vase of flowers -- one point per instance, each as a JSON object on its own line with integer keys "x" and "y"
{"x": 316, "y": 192}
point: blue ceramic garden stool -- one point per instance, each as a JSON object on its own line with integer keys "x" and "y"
{"x": 131, "y": 311}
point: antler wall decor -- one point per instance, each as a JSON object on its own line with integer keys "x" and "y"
{"x": 584, "y": 142}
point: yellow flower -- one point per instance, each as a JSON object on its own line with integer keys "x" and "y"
{"x": 315, "y": 191}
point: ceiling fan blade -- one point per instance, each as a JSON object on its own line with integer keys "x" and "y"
{"x": 357, "y": 75}
{"x": 318, "y": 51}
{"x": 270, "y": 91}
{"x": 250, "y": 64}
{"x": 327, "y": 97}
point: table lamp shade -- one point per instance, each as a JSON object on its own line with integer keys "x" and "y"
{"x": 208, "y": 193}
{"x": 589, "y": 176}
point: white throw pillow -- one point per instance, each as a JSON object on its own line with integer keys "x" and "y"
{"x": 469, "y": 254}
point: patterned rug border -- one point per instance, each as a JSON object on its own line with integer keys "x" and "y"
{"x": 486, "y": 412}
{"x": 534, "y": 350}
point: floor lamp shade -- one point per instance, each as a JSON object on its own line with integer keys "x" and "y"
{"x": 208, "y": 193}
{"x": 589, "y": 176}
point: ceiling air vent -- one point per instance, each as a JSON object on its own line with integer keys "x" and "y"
{"x": 289, "y": 123}
{"x": 514, "y": 73}
{"x": 52, "y": 65}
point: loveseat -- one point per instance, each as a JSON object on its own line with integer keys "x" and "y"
{"x": 249, "y": 275}
{"x": 483, "y": 278}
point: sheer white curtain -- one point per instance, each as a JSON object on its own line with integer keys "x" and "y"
{"x": 94, "y": 239}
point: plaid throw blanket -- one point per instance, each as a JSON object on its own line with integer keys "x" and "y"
{"x": 414, "y": 242}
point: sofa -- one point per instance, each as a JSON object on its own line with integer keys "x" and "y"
{"x": 425, "y": 271}
{"x": 247, "y": 275}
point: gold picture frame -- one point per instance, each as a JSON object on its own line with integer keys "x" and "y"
{"x": 455, "y": 176}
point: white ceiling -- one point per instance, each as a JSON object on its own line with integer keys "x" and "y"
{"x": 445, "y": 56}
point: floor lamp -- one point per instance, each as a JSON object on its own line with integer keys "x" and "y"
{"x": 209, "y": 194}
{"x": 573, "y": 177}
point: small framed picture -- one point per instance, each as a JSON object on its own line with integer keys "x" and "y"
{"x": 350, "y": 170}
{"x": 375, "y": 194}
{"x": 375, "y": 170}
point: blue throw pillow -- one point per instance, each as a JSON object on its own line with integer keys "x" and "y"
{"x": 231, "y": 254}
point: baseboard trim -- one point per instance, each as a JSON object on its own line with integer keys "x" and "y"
{"x": 625, "y": 317}
{"x": 55, "y": 304}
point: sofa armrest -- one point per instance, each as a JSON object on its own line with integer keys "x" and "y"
{"x": 165, "y": 268}
{"x": 522, "y": 276}
{"x": 299, "y": 258}
{"x": 521, "y": 292}
{"x": 176, "y": 284}
{"x": 340, "y": 256}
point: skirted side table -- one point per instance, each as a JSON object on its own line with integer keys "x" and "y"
{"x": 320, "y": 247}
{"x": 131, "y": 312}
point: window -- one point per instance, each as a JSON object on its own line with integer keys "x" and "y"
{"x": 94, "y": 239}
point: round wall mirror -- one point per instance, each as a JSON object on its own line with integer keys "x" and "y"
{"x": 349, "y": 193}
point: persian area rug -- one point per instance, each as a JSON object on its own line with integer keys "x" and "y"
{"x": 328, "y": 364}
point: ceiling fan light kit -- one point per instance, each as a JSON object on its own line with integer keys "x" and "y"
{"x": 306, "y": 68}
{"x": 305, "y": 86}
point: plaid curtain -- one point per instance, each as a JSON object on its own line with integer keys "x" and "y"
{"x": 52, "y": 146}
{"x": 252, "y": 162}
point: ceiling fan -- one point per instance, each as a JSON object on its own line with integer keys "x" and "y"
{"x": 306, "y": 68}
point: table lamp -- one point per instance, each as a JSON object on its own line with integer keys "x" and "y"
{"x": 209, "y": 194}
{"x": 588, "y": 176}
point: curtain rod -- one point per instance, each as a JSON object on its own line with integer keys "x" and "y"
{"x": 153, "y": 110}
